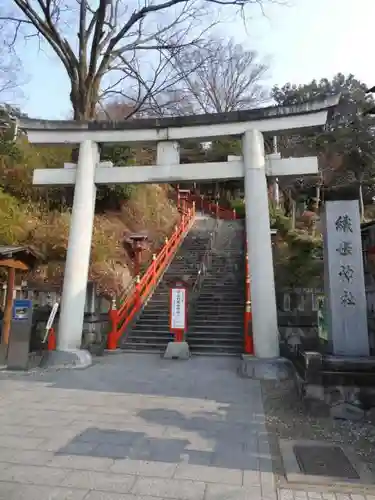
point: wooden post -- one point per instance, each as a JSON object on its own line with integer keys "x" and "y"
{"x": 8, "y": 306}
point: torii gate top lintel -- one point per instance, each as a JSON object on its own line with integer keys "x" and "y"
{"x": 273, "y": 119}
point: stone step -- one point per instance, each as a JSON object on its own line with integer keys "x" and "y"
{"x": 214, "y": 304}
{"x": 222, "y": 341}
{"x": 216, "y": 324}
{"x": 147, "y": 327}
{"x": 216, "y": 329}
{"x": 227, "y": 316}
{"x": 150, "y": 336}
{"x": 212, "y": 350}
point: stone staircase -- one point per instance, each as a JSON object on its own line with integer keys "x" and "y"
{"x": 150, "y": 332}
{"x": 217, "y": 324}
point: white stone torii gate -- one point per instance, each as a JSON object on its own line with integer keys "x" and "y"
{"x": 253, "y": 166}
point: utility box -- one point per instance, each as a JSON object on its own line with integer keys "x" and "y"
{"x": 20, "y": 333}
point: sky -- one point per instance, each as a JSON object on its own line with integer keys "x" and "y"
{"x": 303, "y": 39}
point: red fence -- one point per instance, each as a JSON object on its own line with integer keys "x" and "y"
{"x": 248, "y": 334}
{"x": 121, "y": 318}
{"x": 207, "y": 206}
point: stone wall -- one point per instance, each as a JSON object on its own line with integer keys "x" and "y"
{"x": 297, "y": 311}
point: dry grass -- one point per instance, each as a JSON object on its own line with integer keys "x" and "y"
{"x": 148, "y": 209}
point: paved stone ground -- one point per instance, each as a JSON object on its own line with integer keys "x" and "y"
{"x": 136, "y": 427}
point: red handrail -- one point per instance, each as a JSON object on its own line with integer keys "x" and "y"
{"x": 211, "y": 207}
{"x": 121, "y": 318}
{"x": 248, "y": 334}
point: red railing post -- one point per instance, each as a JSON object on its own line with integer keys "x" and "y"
{"x": 138, "y": 301}
{"x": 113, "y": 317}
{"x": 248, "y": 337}
{"x": 166, "y": 241}
{"x": 51, "y": 344}
{"x": 153, "y": 269}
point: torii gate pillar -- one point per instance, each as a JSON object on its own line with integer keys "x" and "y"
{"x": 259, "y": 247}
{"x": 77, "y": 262}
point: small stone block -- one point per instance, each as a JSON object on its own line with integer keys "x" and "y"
{"x": 177, "y": 350}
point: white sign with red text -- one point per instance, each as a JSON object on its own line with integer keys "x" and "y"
{"x": 178, "y": 309}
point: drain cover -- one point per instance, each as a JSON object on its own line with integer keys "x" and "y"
{"x": 324, "y": 461}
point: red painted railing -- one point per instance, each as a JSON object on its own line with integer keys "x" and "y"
{"x": 207, "y": 206}
{"x": 248, "y": 334}
{"x": 120, "y": 318}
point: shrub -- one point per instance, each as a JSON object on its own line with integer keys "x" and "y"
{"x": 239, "y": 205}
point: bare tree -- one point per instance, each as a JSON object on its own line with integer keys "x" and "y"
{"x": 222, "y": 76}
{"x": 100, "y": 42}
{"x": 11, "y": 75}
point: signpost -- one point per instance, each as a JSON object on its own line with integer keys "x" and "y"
{"x": 178, "y": 310}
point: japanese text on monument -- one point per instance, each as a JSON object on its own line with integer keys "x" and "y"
{"x": 343, "y": 224}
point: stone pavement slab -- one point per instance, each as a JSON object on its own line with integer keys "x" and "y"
{"x": 137, "y": 427}
{"x": 288, "y": 494}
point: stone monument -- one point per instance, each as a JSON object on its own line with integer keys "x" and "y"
{"x": 344, "y": 280}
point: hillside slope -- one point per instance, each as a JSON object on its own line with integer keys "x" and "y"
{"x": 40, "y": 217}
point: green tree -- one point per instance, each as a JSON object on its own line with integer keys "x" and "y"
{"x": 349, "y": 134}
